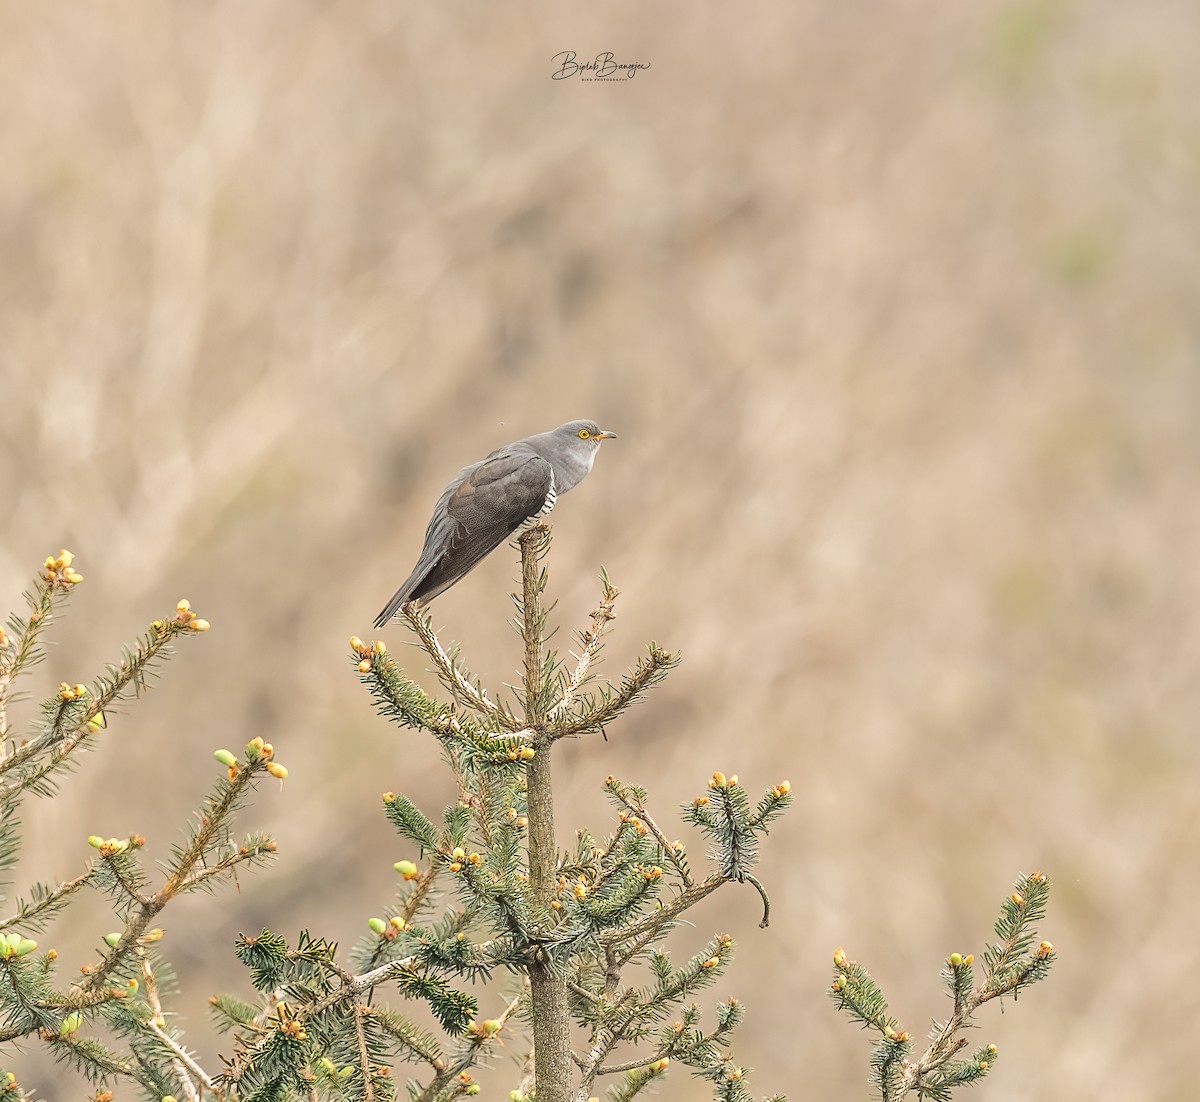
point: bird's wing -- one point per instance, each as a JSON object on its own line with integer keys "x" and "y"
{"x": 477, "y": 512}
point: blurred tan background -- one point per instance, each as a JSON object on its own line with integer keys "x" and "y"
{"x": 895, "y": 312}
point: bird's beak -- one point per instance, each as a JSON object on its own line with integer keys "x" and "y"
{"x": 604, "y": 436}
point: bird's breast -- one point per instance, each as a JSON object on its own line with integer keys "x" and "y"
{"x": 551, "y": 498}
{"x": 547, "y": 505}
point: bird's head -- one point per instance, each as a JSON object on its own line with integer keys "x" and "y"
{"x": 582, "y": 435}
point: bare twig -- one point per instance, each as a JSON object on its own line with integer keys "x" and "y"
{"x": 183, "y": 1061}
{"x": 364, "y": 1058}
{"x": 762, "y": 892}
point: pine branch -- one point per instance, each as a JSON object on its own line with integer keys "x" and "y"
{"x": 422, "y": 1045}
{"x": 152, "y": 1058}
{"x": 57, "y": 578}
{"x": 624, "y": 1016}
{"x": 664, "y": 914}
{"x": 726, "y": 818}
{"x": 467, "y": 692}
{"x": 12, "y": 1091}
{"x": 183, "y": 874}
{"x": 480, "y": 1039}
{"x": 76, "y": 713}
{"x": 402, "y": 700}
{"x": 592, "y": 641}
{"x": 46, "y": 902}
{"x": 274, "y": 966}
{"x": 30, "y": 1006}
{"x": 634, "y": 799}
{"x": 597, "y": 710}
{"x": 255, "y": 849}
{"x": 24, "y": 993}
{"x": 1011, "y": 965}
{"x": 94, "y": 1061}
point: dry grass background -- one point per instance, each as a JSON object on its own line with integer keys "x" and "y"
{"x": 895, "y": 313}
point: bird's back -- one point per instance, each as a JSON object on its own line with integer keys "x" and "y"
{"x": 477, "y": 511}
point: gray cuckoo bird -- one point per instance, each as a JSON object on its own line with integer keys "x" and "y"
{"x": 489, "y": 500}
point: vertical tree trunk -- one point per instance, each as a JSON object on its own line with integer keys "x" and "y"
{"x": 548, "y": 992}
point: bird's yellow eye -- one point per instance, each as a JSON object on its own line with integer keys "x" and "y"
{"x": 584, "y": 434}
